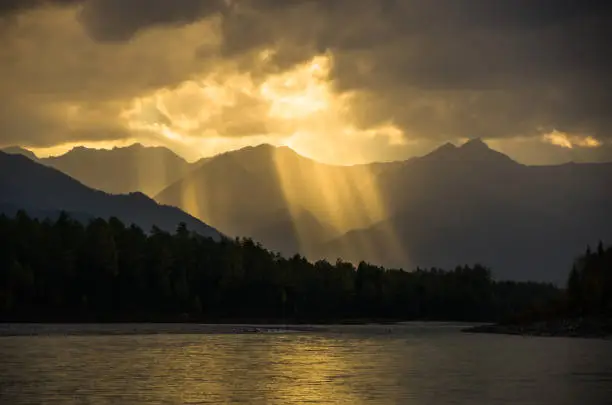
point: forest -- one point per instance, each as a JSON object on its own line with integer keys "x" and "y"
{"x": 589, "y": 285}
{"x": 62, "y": 270}
{"x": 583, "y": 309}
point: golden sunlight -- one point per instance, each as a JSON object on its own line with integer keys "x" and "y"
{"x": 299, "y": 109}
{"x": 299, "y": 93}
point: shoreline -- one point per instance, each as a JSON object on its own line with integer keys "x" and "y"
{"x": 589, "y": 328}
{"x": 206, "y": 321}
{"x": 126, "y": 328}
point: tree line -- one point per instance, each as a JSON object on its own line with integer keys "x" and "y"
{"x": 104, "y": 270}
{"x": 589, "y": 285}
{"x": 584, "y": 307}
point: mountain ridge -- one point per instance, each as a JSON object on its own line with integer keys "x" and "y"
{"x": 18, "y": 150}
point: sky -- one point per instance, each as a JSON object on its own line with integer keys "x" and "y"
{"x": 342, "y": 81}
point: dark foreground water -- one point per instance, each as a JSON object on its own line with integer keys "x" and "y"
{"x": 405, "y": 364}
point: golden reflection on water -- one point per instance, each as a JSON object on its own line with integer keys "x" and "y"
{"x": 265, "y": 370}
{"x": 340, "y": 368}
{"x": 203, "y": 369}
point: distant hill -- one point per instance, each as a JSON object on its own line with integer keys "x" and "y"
{"x": 44, "y": 190}
{"x": 122, "y": 170}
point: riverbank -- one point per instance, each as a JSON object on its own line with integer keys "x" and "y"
{"x": 600, "y": 328}
{"x": 109, "y": 329}
{"x": 190, "y": 319}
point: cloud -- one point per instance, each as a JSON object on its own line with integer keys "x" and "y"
{"x": 46, "y": 124}
{"x": 9, "y": 7}
{"x": 59, "y": 85}
{"x": 120, "y": 20}
{"x": 433, "y": 70}
{"x": 570, "y": 141}
{"x": 554, "y": 150}
{"x": 443, "y": 68}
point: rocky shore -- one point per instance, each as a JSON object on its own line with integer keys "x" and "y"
{"x": 574, "y": 327}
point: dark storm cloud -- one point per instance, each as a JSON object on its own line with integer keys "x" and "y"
{"x": 119, "y": 20}
{"x": 441, "y": 68}
{"x": 14, "y": 6}
{"x": 59, "y": 85}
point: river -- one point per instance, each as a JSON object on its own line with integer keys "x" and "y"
{"x": 400, "y": 364}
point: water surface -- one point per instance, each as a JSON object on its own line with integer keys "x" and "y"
{"x": 403, "y": 364}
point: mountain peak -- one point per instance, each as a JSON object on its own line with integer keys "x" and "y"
{"x": 442, "y": 152}
{"x": 477, "y": 150}
{"x": 264, "y": 149}
{"x": 134, "y": 146}
{"x": 446, "y": 148}
{"x": 18, "y": 150}
{"x": 261, "y": 148}
{"x": 475, "y": 143}
{"x": 474, "y": 150}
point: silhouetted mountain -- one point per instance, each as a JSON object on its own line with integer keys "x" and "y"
{"x": 37, "y": 188}
{"x": 471, "y": 203}
{"x": 122, "y": 170}
{"x": 16, "y": 150}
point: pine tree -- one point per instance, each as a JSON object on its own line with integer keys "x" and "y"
{"x": 574, "y": 289}
{"x": 600, "y": 249}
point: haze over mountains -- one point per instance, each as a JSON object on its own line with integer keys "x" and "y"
{"x": 287, "y": 202}
{"x": 118, "y": 170}
{"x": 43, "y": 192}
{"x": 455, "y": 205}
{"x": 133, "y": 168}
{"x": 458, "y": 205}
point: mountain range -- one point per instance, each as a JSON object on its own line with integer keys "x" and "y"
{"x": 122, "y": 170}
{"x": 456, "y": 205}
{"x": 44, "y": 192}
{"x": 471, "y": 203}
